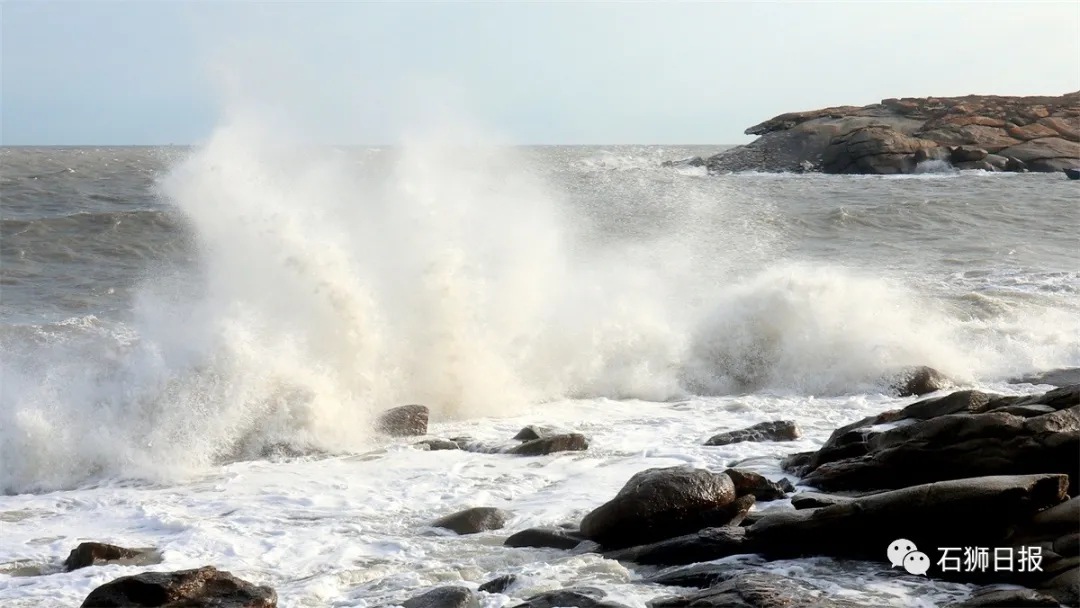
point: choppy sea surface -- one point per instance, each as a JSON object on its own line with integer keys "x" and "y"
{"x": 194, "y": 342}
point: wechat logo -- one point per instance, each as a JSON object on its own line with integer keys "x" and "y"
{"x": 904, "y": 553}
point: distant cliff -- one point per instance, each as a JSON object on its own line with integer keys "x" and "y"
{"x": 973, "y": 132}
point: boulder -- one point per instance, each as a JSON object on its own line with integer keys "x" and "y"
{"x": 444, "y": 597}
{"x": 757, "y": 590}
{"x": 205, "y": 587}
{"x": 1048, "y": 154}
{"x": 554, "y": 538}
{"x": 813, "y": 500}
{"x": 662, "y": 503}
{"x": 472, "y": 521}
{"x": 498, "y": 585}
{"x": 570, "y": 442}
{"x": 874, "y": 149}
{"x": 90, "y": 554}
{"x": 1056, "y": 377}
{"x": 919, "y": 380}
{"x": 775, "y": 430}
{"x": 534, "y": 432}
{"x": 575, "y": 597}
{"x": 967, "y": 154}
{"x": 434, "y": 445}
{"x": 756, "y": 485}
{"x": 702, "y": 546}
{"x": 1007, "y": 598}
{"x": 403, "y": 421}
{"x": 1015, "y": 165}
{"x": 701, "y": 576}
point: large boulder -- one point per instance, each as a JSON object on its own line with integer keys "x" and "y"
{"x": 90, "y": 554}
{"x": 403, "y": 421}
{"x": 773, "y": 430}
{"x": 574, "y": 597}
{"x": 541, "y": 446}
{"x": 661, "y": 503}
{"x": 444, "y": 597}
{"x": 205, "y": 587}
{"x": 472, "y": 521}
{"x": 895, "y": 135}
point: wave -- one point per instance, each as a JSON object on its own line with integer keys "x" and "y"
{"x": 457, "y": 279}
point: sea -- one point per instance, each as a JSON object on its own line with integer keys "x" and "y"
{"x": 196, "y": 340}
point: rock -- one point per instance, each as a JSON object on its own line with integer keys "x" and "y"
{"x": 1025, "y": 411}
{"x": 571, "y": 442}
{"x": 754, "y": 484}
{"x": 776, "y": 430}
{"x": 1015, "y": 165}
{"x": 813, "y": 500}
{"x": 205, "y": 587}
{"x": 403, "y": 421}
{"x": 977, "y": 165}
{"x": 1068, "y": 545}
{"x": 693, "y": 161}
{"x": 499, "y": 585}
{"x": 545, "y": 537}
{"x": 923, "y": 155}
{"x": 703, "y": 546}
{"x": 1064, "y": 587}
{"x": 1008, "y": 598}
{"x": 1057, "y": 377}
{"x": 998, "y": 162}
{"x": 576, "y": 597}
{"x": 472, "y": 521}
{"x": 437, "y": 444}
{"x": 444, "y": 597}
{"x": 662, "y": 503}
{"x": 534, "y": 432}
{"x": 919, "y": 381}
{"x": 757, "y": 590}
{"x": 897, "y": 134}
{"x": 89, "y": 554}
{"x": 967, "y": 154}
{"x": 701, "y": 576}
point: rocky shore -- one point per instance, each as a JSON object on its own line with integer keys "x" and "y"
{"x": 962, "y": 486}
{"x": 991, "y": 133}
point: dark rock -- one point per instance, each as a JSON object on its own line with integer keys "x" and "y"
{"x": 471, "y": 521}
{"x": 545, "y": 537}
{"x": 873, "y": 149}
{"x": 775, "y": 430}
{"x": 498, "y": 585}
{"x": 1008, "y": 598}
{"x": 1057, "y": 377}
{"x": 919, "y": 380}
{"x": 534, "y": 432}
{"x": 1068, "y": 545}
{"x": 444, "y": 597}
{"x": 748, "y": 482}
{"x": 967, "y": 154}
{"x": 971, "y": 402}
{"x": 701, "y": 576}
{"x": 1046, "y": 154}
{"x": 1059, "y": 519}
{"x": 977, "y": 165}
{"x": 786, "y": 486}
{"x": 575, "y": 597}
{"x": 757, "y": 590}
{"x": 693, "y": 161}
{"x": 813, "y": 500}
{"x": 998, "y": 162}
{"x": 89, "y": 554}
{"x": 205, "y": 587}
{"x": 571, "y": 442}
{"x": 661, "y": 503}
{"x": 403, "y": 421}
{"x": 437, "y": 444}
{"x": 706, "y": 545}
{"x": 1025, "y": 411}
{"x": 931, "y": 154}
{"x": 1064, "y": 587}
{"x": 796, "y": 463}
{"x": 1015, "y": 165}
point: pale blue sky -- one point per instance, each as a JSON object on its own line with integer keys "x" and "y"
{"x": 151, "y": 72}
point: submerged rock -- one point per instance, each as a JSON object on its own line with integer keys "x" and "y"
{"x": 661, "y": 503}
{"x": 403, "y": 421}
{"x": 444, "y": 597}
{"x": 575, "y": 597}
{"x": 570, "y": 442}
{"x": 205, "y": 587}
{"x": 775, "y": 430}
{"x": 554, "y": 538}
{"x": 757, "y": 590}
{"x": 498, "y": 585}
{"x": 472, "y": 521}
{"x": 90, "y": 554}
{"x": 756, "y": 485}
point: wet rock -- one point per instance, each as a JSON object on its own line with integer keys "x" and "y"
{"x": 813, "y": 500}
{"x": 498, "y": 585}
{"x": 703, "y": 546}
{"x": 967, "y": 154}
{"x": 874, "y": 149}
{"x": 534, "y": 432}
{"x": 545, "y": 537}
{"x": 749, "y": 482}
{"x": 1025, "y": 411}
{"x": 434, "y": 445}
{"x": 472, "y": 521}
{"x": 1057, "y": 377}
{"x": 1047, "y": 154}
{"x": 701, "y": 576}
{"x": 403, "y": 421}
{"x": 444, "y": 597}
{"x": 693, "y": 161}
{"x": 775, "y": 430}
{"x": 89, "y": 554}
{"x": 1008, "y": 598}
{"x": 1068, "y": 545}
{"x": 1015, "y": 165}
{"x": 570, "y": 442}
{"x": 661, "y": 503}
{"x": 205, "y": 587}
{"x": 919, "y": 380}
{"x": 757, "y": 590}
{"x": 575, "y": 597}
{"x": 1064, "y": 587}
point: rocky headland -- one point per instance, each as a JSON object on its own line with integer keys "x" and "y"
{"x": 988, "y": 132}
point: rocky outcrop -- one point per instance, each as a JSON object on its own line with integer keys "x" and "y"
{"x": 773, "y": 430}
{"x": 662, "y": 503}
{"x": 205, "y": 587}
{"x": 1021, "y": 133}
{"x": 472, "y": 521}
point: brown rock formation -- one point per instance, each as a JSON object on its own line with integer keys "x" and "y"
{"x": 1041, "y": 133}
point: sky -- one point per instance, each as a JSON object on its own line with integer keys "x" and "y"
{"x": 86, "y": 72}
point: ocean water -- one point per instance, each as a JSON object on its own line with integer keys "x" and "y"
{"x": 195, "y": 340}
